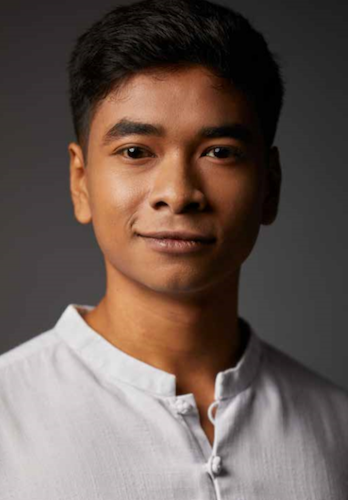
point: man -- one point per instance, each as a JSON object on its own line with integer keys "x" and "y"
{"x": 162, "y": 391}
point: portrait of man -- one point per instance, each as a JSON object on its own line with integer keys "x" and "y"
{"x": 162, "y": 390}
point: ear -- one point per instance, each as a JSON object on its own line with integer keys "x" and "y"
{"x": 272, "y": 189}
{"x": 78, "y": 184}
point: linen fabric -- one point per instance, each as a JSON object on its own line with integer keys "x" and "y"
{"x": 82, "y": 420}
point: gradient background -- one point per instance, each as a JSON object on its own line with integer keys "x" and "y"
{"x": 293, "y": 285}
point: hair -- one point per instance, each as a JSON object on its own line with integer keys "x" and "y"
{"x": 168, "y": 35}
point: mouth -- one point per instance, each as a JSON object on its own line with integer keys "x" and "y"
{"x": 177, "y": 245}
{"x": 180, "y": 236}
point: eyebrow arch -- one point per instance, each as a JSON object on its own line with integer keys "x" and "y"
{"x": 127, "y": 127}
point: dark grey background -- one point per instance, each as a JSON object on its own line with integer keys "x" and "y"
{"x": 293, "y": 285}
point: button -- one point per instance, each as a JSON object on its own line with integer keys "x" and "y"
{"x": 215, "y": 464}
{"x": 182, "y": 406}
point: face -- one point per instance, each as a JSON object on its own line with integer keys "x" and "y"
{"x": 171, "y": 176}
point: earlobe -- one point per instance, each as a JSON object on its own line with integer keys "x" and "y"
{"x": 273, "y": 186}
{"x": 78, "y": 185}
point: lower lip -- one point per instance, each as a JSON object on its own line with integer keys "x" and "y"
{"x": 167, "y": 245}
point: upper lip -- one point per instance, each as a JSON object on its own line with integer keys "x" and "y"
{"x": 179, "y": 235}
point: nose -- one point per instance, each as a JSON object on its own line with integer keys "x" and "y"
{"x": 176, "y": 184}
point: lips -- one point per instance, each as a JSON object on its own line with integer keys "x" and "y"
{"x": 180, "y": 235}
{"x": 177, "y": 244}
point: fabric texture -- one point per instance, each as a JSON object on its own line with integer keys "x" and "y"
{"x": 82, "y": 420}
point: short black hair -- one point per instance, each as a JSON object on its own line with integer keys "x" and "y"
{"x": 170, "y": 34}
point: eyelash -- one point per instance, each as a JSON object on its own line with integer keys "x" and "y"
{"x": 236, "y": 151}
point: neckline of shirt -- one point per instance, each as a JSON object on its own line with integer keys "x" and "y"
{"x": 117, "y": 365}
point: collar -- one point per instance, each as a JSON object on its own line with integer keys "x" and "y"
{"x": 116, "y": 365}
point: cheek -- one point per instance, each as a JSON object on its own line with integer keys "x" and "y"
{"x": 113, "y": 204}
{"x": 242, "y": 208}
{"x": 240, "y": 197}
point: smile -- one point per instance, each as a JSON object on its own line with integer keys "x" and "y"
{"x": 179, "y": 246}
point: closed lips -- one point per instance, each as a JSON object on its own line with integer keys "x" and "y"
{"x": 180, "y": 236}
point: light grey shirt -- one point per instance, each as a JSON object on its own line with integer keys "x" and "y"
{"x": 82, "y": 420}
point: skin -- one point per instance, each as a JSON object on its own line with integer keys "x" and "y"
{"x": 178, "y": 313}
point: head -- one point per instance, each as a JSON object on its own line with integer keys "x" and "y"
{"x": 167, "y": 34}
{"x": 193, "y": 90}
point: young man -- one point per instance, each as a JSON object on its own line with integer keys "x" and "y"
{"x": 162, "y": 391}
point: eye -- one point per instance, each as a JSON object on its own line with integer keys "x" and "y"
{"x": 226, "y": 152}
{"x": 134, "y": 152}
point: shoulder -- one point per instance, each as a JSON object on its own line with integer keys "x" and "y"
{"x": 25, "y": 355}
{"x": 312, "y": 395}
{"x": 24, "y": 377}
{"x": 294, "y": 373}
{"x": 25, "y": 367}
{"x": 29, "y": 370}
{"x": 306, "y": 411}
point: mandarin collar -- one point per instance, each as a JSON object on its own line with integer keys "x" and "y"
{"x": 116, "y": 365}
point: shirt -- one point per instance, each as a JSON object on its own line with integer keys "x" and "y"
{"x": 81, "y": 419}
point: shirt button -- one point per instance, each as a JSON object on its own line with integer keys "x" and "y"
{"x": 215, "y": 465}
{"x": 182, "y": 406}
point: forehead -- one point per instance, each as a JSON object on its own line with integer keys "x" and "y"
{"x": 179, "y": 98}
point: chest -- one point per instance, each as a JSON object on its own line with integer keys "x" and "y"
{"x": 145, "y": 450}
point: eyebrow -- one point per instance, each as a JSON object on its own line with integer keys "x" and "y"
{"x": 127, "y": 127}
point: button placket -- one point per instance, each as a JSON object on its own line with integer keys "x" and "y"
{"x": 185, "y": 407}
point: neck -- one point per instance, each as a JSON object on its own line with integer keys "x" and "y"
{"x": 192, "y": 338}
